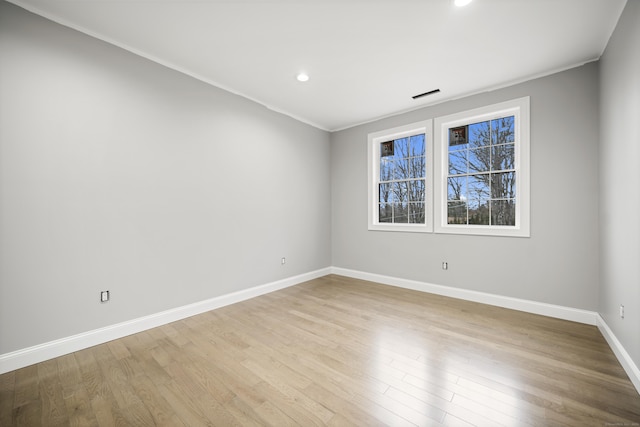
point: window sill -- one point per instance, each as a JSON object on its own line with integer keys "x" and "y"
{"x": 402, "y": 228}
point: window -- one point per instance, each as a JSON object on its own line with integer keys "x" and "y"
{"x": 475, "y": 182}
{"x": 482, "y": 173}
{"x": 400, "y": 178}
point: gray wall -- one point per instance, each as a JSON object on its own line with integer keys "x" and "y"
{"x": 120, "y": 174}
{"x": 558, "y": 264}
{"x": 620, "y": 180}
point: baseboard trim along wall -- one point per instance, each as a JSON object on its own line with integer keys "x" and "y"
{"x": 623, "y": 357}
{"x": 39, "y": 353}
{"x": 544, "y": 309}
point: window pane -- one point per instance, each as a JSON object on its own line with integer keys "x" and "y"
{"x": 401, "y": 169}
{"x": 401, "y": 148}
{"x": 417, "y": 167}
{"x": 457, "y": 212}
{"x": 386, "y": 193}
{"x": 457, "y": 188}
{"x": 400, "y": 213}
{"x": 386, "y": 169}
{"x": 479, "y": 212}
{"x": 457, "y": 162}
{"x": 416, "y": 190}
{"x": 401, "y": 191}
{"x": 480, "y": 134}
{"x": 502, "y": 157}
{"x": 503, "y": 185}
{"x": 416, "y": 213}
{"x": 480, "y": 159}
{"x": 478, "y": 199}
{"x": 417, "y": 146}
{"x": 478, "y": 187}
{"x": 503, "y": 130}
{"x": 385, "y": 213}
{"x": 503, "y": 212}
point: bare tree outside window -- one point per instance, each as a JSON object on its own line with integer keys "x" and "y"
{"x": 402, "y": 180}
{"x": 481, "y": 182}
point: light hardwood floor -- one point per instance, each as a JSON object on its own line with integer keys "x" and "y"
{"x": 335, "y": 351}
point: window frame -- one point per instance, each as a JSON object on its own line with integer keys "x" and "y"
{"x": 374, "y": 140}
{"x": 519, "y": 108}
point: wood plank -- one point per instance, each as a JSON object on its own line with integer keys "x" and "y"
{"x": 7, "y": 396}
{"x": 26, "y": 384}
{"x": 78, "y": 404}
{"x": 54, "y": 410}
{"x": 28, "y": 414}
{"x": 183, "y": 407}
{"x": 154, "y": 402}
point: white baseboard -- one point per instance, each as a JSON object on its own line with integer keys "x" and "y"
{"x": 39, "y": 353}
{"x": 624, "y": 358}
{"x": 544, "y": 309}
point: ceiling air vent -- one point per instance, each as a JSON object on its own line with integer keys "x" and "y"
{"x": 431, "y": 92}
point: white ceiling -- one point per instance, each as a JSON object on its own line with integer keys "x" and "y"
{"x": 366, "y": 58}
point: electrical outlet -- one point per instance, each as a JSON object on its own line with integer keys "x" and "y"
{"x": 445, "y": 265}
{"x": 104, "y": 296}
{"x": 621, "y": 311}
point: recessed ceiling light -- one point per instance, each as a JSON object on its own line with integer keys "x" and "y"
{"x": 302, "y": 77}
{"x": 461, "y": 3}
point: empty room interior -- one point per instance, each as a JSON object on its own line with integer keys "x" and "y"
{"x": 317, "y": 212}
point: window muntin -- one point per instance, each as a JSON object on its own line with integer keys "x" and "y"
{"x": 400, "y": 178}
{"x": 482, "y": 177}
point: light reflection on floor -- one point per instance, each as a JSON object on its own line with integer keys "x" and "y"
{"x": 419, "y": 377}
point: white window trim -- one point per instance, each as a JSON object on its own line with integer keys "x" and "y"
{"x": 520, "y": 109}
{"x": 374, "y": 141}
